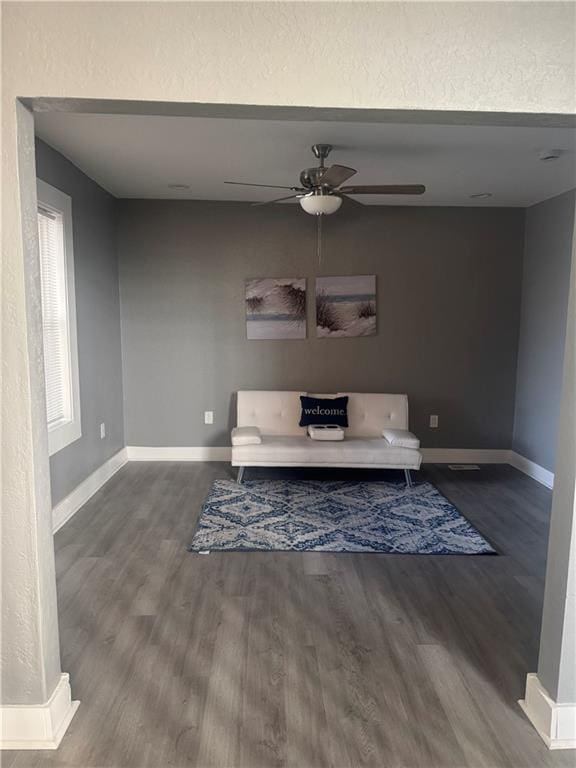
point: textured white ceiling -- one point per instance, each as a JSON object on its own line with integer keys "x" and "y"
{"x": 140, "y": 156}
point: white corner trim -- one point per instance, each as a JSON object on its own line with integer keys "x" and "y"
{"x": 39, "y": 726}
{"x": 64, "y": 510}
{"x": 182, "y": 453}
{"x": 556, "y": 723}
{"x": 464, "y": 456}
{"x": 532, "y": 469}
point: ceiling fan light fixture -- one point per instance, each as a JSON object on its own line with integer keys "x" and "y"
{"x": 317, "y": 204}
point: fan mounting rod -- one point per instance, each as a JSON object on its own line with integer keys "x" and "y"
{"x": 321, "y": 151}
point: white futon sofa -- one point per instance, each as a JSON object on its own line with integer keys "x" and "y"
{"x": 267, "y": 434}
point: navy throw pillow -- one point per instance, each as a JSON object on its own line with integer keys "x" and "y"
{"x": 324, "y": 410}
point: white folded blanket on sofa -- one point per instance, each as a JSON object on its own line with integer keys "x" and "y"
{"x": 401, "y": 438}
{"x": 246, "y": 436}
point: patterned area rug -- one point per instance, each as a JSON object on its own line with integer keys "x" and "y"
{"x": 338, "y": 516}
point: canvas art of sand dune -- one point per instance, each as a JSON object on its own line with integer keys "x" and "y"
{"x": 276, "y": 308}
{"x": 346, "y": 306}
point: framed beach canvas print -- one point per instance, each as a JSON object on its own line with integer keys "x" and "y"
{"x": 346, "y": 306}
{"x": 276, "y": 308}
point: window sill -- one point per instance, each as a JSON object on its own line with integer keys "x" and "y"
{"x": 61, "y": 435}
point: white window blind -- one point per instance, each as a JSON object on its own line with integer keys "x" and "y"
{"x": 58, "y": 316}
{"x": 55, "y": 317}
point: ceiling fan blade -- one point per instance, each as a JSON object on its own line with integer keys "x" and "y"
{"x": 336, "y": 175}
{"x": 270, "y": 186}
{"x": 385, "y": 189}
{"x": 350, "y": 199}
{"x": 278, "y": 200}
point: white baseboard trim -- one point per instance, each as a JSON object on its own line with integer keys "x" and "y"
{"x": 487, "y": 456}
{"x": 556, "y": 723}
{"x": 40, "y": 726}
{"x": 64, "y": 510}
{"x": 182, "y": 453}
{"x": 224, "y": 453}
{"x": 532, "y": 469}
{"x": 464, "y": 456}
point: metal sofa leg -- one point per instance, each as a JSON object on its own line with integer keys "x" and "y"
{"x": 408, "y": 477}
{"x": 240, "y": 475}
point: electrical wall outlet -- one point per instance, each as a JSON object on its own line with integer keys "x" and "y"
{"x": 433, "y": 421}
{"x": 208, "y": 417}
{"x": 102, "y": 431}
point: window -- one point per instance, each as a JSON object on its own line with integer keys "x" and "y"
{"x": 58, "y": 317}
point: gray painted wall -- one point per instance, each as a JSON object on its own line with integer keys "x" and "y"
{"x": 98, "y": 320}
{"x": 545, "y": 286}
{"x": 448, "y": 314}
{"x": 556, "y": 668}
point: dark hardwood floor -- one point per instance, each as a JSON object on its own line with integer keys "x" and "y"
{"x": 303, "y": 660}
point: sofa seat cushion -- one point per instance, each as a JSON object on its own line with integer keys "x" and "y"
{"x": 401, "y": 438}
{"x": 289, "y": 450}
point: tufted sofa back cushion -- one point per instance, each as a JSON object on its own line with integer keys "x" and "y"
{"x": 278, "y": 413}
{"x": 274, "y": 413}
{"x": 369, "y": 413}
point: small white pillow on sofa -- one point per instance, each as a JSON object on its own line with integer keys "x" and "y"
{"x": 401, "y": 438}
{"x": 246, "y": 436}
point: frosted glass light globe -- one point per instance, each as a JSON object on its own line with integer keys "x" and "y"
{"x": 320, "y": 204}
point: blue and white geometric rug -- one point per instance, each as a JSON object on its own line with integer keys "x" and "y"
{"x": 334, "y": 516}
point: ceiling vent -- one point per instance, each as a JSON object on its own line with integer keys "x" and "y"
{"x": 548, "y": 155}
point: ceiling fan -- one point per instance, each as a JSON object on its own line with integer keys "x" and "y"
{"x": 321, "y": 191}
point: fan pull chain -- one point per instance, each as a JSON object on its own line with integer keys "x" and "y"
{"x": 319, "y": 239}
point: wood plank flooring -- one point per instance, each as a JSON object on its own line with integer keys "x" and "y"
{"x": 296, "y": 660}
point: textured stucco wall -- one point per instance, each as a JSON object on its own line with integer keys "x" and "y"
{"x": 467, "y": 56}
{"x": 29, "y": 651}
{"x": 503, "y": 56}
